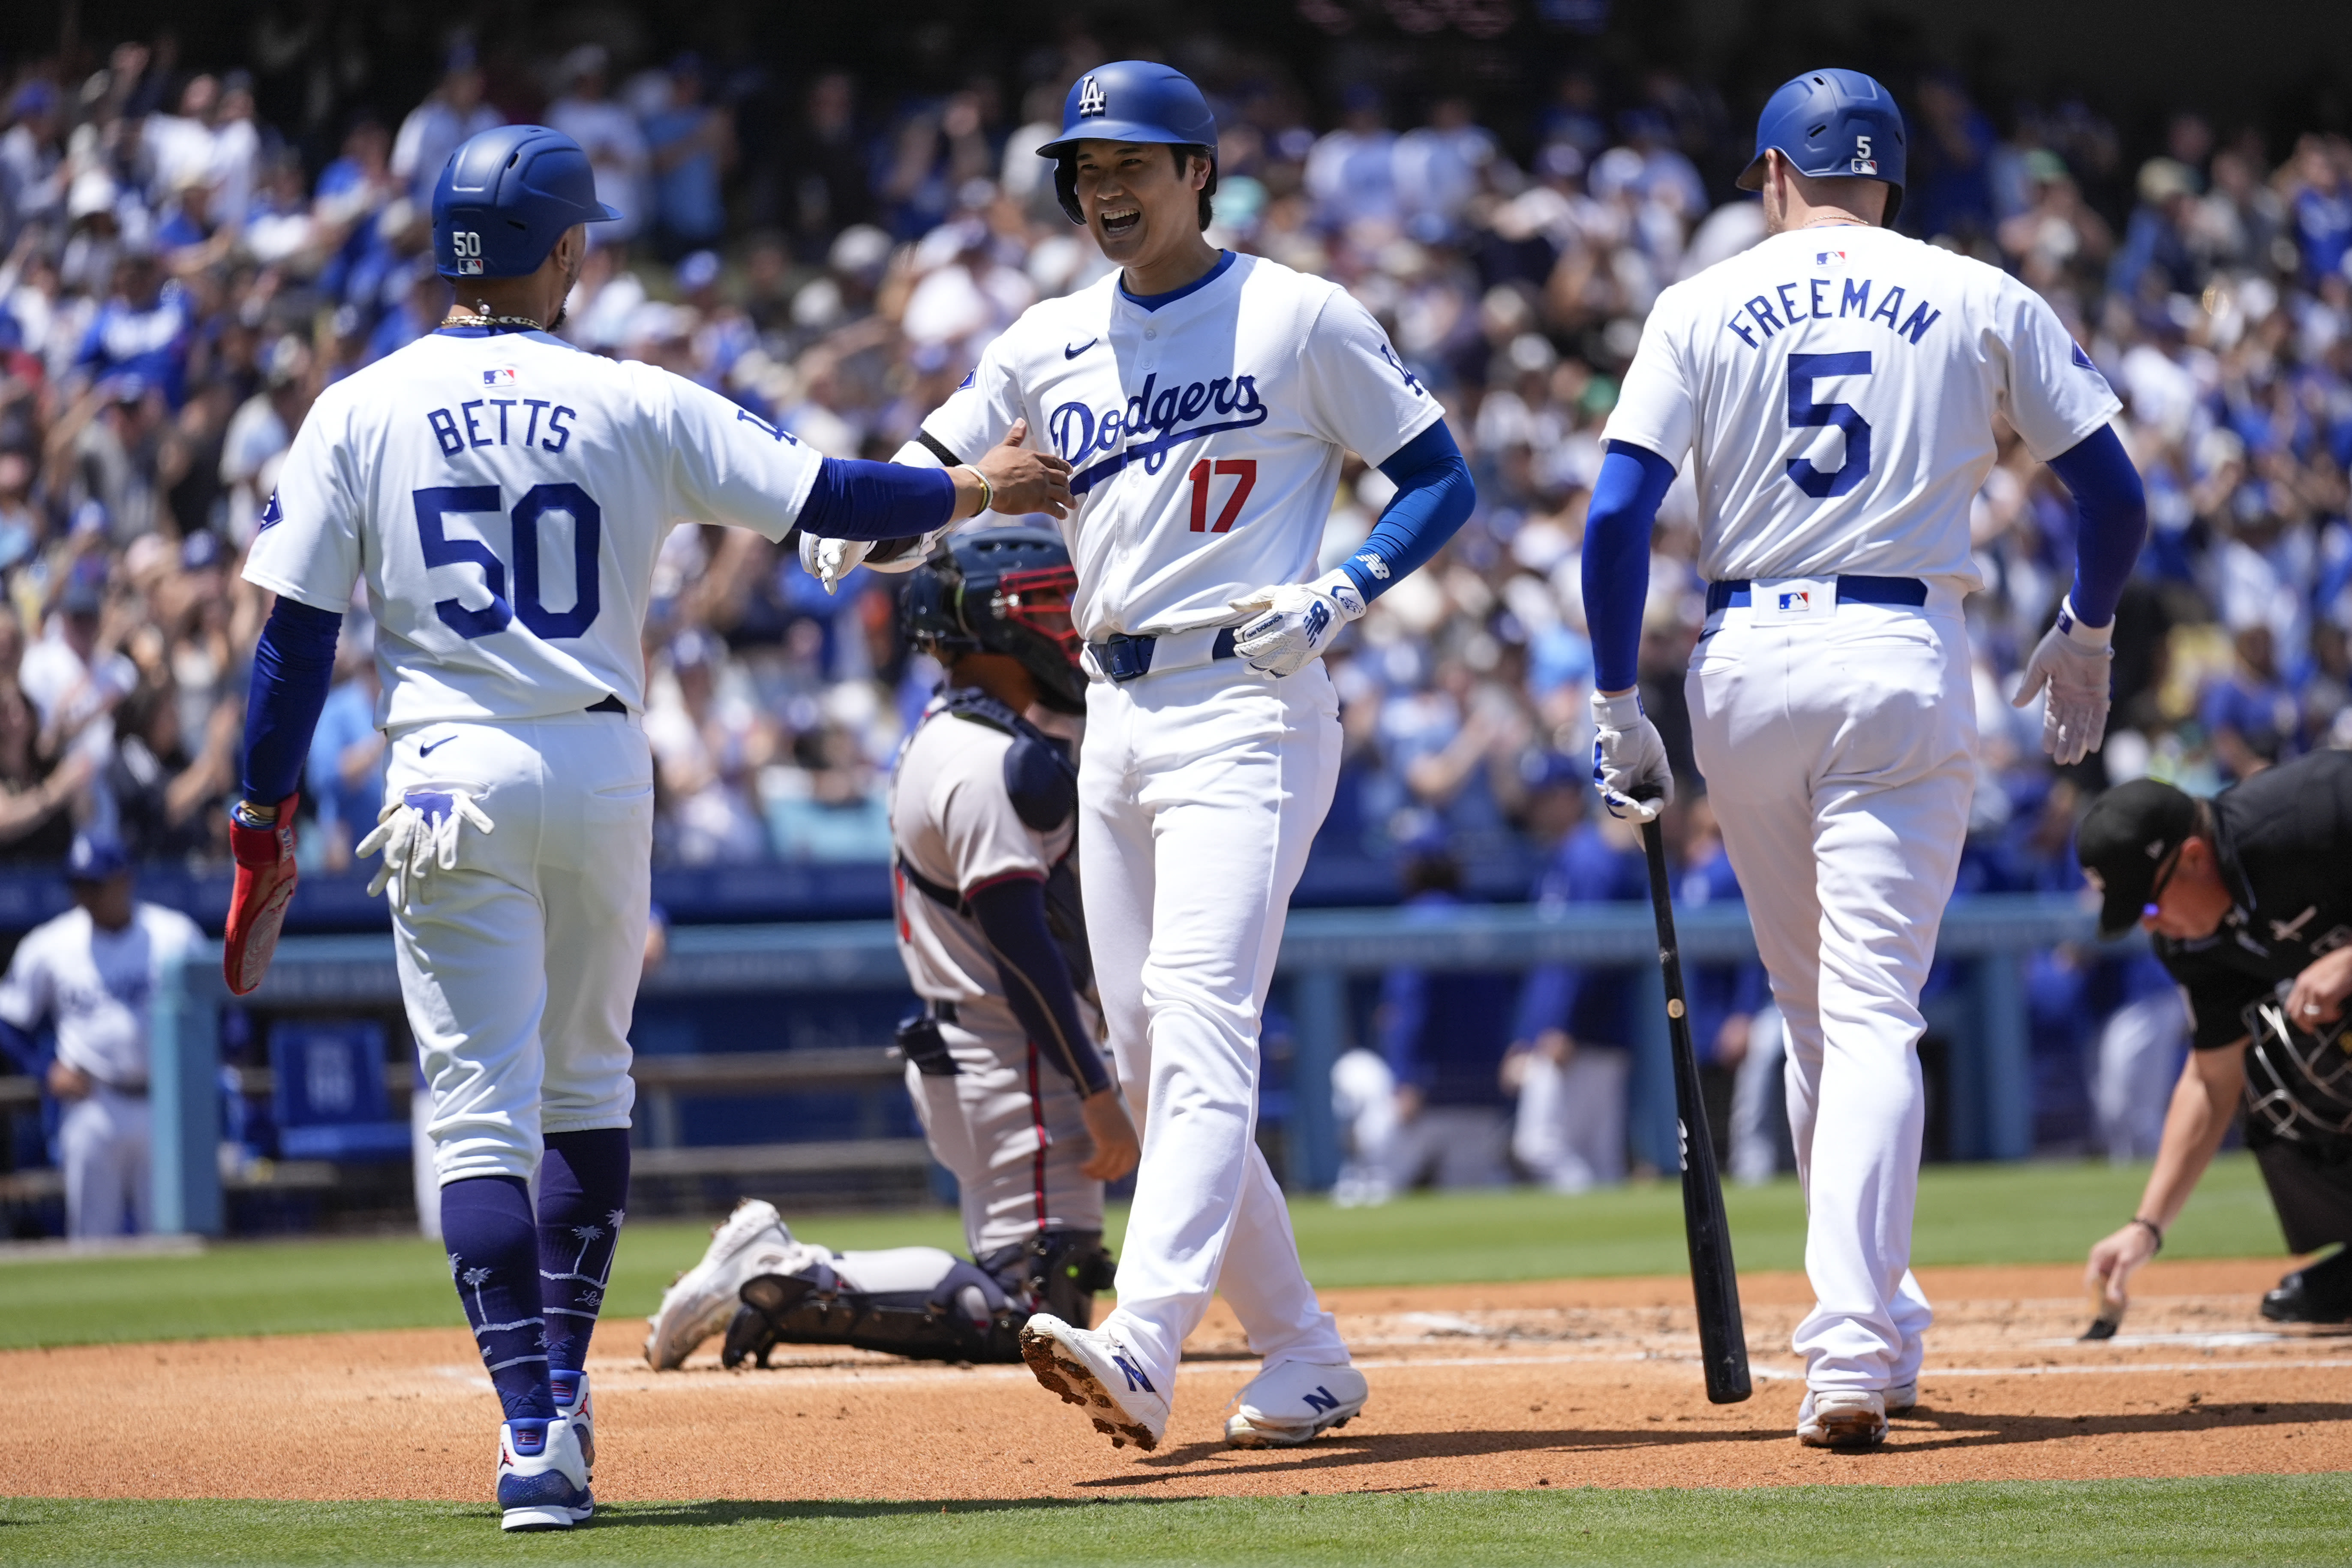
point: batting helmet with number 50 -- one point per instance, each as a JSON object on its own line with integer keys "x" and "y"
{"x": 1832, "y": 122}
{"x": 505, "y": 196}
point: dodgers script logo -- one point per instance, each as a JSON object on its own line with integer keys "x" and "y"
{"x": 1150, "y": 424}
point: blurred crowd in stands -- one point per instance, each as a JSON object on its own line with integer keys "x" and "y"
{"x": 178, "y": 281}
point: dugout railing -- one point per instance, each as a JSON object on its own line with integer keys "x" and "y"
{"x": 1989, "y": 1103}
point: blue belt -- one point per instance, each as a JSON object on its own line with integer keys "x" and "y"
{"x": 1908, "y": 590}
{"x": 1123, "y": 657}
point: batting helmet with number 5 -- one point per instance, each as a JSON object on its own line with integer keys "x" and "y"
{"x": 1831, "y": 122}
{"x": 505, "y": 196}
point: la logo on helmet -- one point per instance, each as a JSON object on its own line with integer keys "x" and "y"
{"x": 1091, "y": 99}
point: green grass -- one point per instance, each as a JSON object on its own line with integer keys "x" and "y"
{"x": 1968, "y": 1214}
{"x": 2252, "y": 1520}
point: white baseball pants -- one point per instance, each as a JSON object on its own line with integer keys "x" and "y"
{"x": 1199, "y": 793}
{"x": 103, "y": 1145}
{"x": 1009, "y": 1127}
{"x": 1842, "y": 747}
{"x": 520, "y": 965}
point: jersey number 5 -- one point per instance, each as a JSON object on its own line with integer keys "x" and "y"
{"x": 1241, "y": 470}
{"x": 440, "y": 550}
{"x": 1805, "y": 413}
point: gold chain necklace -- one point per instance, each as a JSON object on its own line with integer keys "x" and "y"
{"x": 454, "y": 320}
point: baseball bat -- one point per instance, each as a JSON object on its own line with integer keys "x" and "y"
{"x": 1722, "y": 1338}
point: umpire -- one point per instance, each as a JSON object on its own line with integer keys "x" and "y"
{"x": 2249, "y": 898}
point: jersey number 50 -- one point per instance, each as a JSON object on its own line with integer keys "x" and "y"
{"x": 1805, "y": 412}
{"x": 440, "y": 550}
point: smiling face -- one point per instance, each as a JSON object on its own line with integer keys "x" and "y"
{"x": 1136, "y": 200}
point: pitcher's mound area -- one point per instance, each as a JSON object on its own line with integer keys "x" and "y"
{"x": 1578, "y": 1382}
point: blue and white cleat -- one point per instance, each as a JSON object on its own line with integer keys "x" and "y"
{"x": 577, "y": 1406}
{"x": 1292, "y": 1403}
{"x": 542, "y": 1480}
{"x": 1094, "y": 1370}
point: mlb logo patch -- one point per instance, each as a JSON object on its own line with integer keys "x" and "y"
{"x": 1866, "y": 166}
{"x": 469, "y": 266}
{"x": 1796, "y": 603}
{"x": 1829, "y": 258}
{"x": 502, "y": 376}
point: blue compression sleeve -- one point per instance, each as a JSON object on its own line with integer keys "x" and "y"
{"x": 1625, "y": 498}
{"x": 854, "y": 498}
{"x": 1433, "y": 498}
{"x": 2114, "y": 508}
{"x": 292, "y": 667}
{"x": 1011, "y": 913}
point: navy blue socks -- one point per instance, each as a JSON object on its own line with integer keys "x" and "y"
{"x": 485, "y": 1224}
{"x": 584, "y": 1192}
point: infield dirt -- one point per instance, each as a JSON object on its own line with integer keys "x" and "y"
{"x": 1578, "y": 1382}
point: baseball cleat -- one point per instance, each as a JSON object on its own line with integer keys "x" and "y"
{"x": 1842, "y": 1419}
{"x": 542, "y": 1480}
{"x": 1092, "y": 1369}
{"x": 703, "y": 1299}
{"x": 1292, "y": 1402}
{"x": 577, "y": 1406}
{"x": 1902, "y": 1398}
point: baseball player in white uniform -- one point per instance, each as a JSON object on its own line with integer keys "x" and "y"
{"x": 1003, "y": 1061}
{"x": 1837, "y": 388}
{"x": 1205, "y": 401}
{"x": 503, "y": 496}
{"x": 91, "y": 973}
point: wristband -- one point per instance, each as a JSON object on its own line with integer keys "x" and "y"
{"x": 2154, "y": 1229}
{"x": 2090, "y": 640}
{"x": 987, "y": 490}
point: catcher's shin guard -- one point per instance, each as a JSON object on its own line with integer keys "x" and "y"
{"x": 1061, "y": 1271}
{"x": 965, "y": 1317}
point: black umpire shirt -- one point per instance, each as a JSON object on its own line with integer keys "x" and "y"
{"x": 2285, "y": 839}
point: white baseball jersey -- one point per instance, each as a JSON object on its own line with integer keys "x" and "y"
{"x": 98, "y": 986}
{"x": 1206, "y": 435}
{"x": 504, "y": 496}
{"x": 1839, "y": 386}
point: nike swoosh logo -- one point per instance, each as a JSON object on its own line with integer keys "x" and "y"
{"x": 1073, "y": 353}
{"x": 428, "y": 751}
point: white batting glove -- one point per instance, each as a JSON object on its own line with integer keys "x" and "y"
{"x": 2071, "y": 660}
{"x": 830, "y": 560}
{"x": 905, "y": 555}
{"x": 414, "y": 840}
{"x": 1294, "y": 622}
{"x": 1629, "y": 759}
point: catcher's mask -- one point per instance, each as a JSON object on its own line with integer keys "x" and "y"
{"x": 1008, "y": 590}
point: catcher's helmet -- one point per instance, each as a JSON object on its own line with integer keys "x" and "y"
{"x": 1130, "y": 101}
{"x": 1832, "y": 121}
{"x": 505, "y": 196}
{"x": 1005, "y": 590}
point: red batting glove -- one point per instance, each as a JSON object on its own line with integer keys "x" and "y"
{"x": 264, "y": 886}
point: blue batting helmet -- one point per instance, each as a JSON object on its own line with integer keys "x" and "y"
{"x": 505, "y": 196}
{"x": 1832, "y": 122}
{"x": 1130, "y": 101}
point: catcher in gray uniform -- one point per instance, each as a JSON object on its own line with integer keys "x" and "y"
{"x": 1003, "y": 1061}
